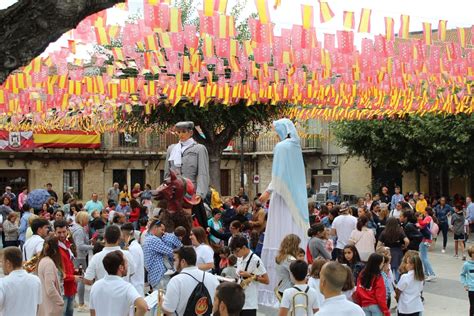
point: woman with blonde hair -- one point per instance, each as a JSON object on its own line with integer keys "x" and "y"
{"x": 29, "y": 232}
{"x": 81, "y": 240}
{"x": 50, "y": 272}
{"x": 287, "y": 253}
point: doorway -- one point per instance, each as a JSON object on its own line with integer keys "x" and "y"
{"x": 137, "y": 176}
{"x": 120, "y": 176}
{"x": 16, "y": 179}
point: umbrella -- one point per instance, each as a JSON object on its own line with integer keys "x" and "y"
{"x": 37, "y": 197}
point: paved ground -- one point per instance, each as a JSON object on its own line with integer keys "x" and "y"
{"x": 445, "y": 296}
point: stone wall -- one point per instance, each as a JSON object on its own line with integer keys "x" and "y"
{"x": 356, "y": 176}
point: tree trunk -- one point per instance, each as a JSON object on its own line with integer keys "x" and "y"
{"x": 215, "y": 153}
{"x": 28, "y": 26}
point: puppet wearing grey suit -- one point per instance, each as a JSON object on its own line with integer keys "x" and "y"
{"x": 195, "y": 166}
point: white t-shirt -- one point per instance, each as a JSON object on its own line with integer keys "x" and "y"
{"x": 181, "y": 287}
{"x": 344, "y": 225}
{"x": 111, "y": 295}
{"x": 314, "y": 283}
{"x": 138, "y": 279}
{"x": 339, "y": 306}
{"x": 300, "y": 300}
{"x": 32, "y": 246}
{"x": 255, "y": 267}
{"x": 204, "y": 254}
{"x": 14, "y": 288}
{"x": 410, "y": 298}
{"x": 96, "y": 269}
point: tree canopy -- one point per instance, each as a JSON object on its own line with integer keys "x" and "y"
{"x": 28, "y": 27}
{"x": 412, "y": 143}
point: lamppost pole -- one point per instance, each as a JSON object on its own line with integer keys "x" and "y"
{"x": 242, "y": 159}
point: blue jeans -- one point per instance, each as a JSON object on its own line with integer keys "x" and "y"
{"x": 68, "y": 305}
{"x": 444, "y": 227}
{"x": 424, "y": 259}
{"x": 372, "y": 310}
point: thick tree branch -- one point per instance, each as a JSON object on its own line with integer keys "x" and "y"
{"x": 27, "y": 27}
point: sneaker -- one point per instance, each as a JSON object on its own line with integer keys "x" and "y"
{"x": 456, "y": 256}
{"x": 443, "y": 251}
{"x": 463, "y": 258}
{"x": 83, "y": 308}
{"x": 430, "y": 278}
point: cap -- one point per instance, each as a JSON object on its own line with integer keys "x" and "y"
{"x": 185, "y": 125}
{"x": 70, "y": 188}
{"x": 8, "y": 188}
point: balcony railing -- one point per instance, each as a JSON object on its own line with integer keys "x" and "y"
{"x": 158, "y": 143}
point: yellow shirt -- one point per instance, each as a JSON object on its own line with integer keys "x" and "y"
{"x": 421, "y": 206}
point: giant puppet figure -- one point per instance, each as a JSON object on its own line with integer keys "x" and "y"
{"x": 288, "y": 211}
{"x": 190, "y": 160}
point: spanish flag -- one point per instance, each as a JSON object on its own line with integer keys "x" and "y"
{"x": 325, "y": 12}
{"x": 404, "y": 26}
{"x": 348, "y": 19}
{"x": 307, "y": 15}
{"x": 442, "y": 30}
{"x": 262, "y": 9}
{"x": 462, "y": 36}
{"x": 427, "y": 33}
{"x": 208, "y": 7}
{"x": 364, "y": 24}
{"x": 67, "y": 139}
{"x": 389, "y": 29}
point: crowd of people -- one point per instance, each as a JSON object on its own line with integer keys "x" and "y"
{"x": 356, "y": 260}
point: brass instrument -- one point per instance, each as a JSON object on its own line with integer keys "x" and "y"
{"x": 297, "y": 306}
{"x": 277, "y": 294}
{"x": 161, "y": 294}
{"x": 31, "y": 265}
{"x": 246, "y": 282}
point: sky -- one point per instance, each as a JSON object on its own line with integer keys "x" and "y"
{"x": 458, "y": 13}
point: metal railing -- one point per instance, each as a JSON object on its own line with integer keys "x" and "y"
{"x": 155, "y": 142}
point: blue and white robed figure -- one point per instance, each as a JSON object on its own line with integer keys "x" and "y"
{"x": 288, "y": 210}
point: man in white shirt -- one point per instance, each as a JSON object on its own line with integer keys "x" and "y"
{"x": 251, "y": 270}
{"x": 333, "y": 276}
{"x": 34, "y": 245}
{"x": 111, "y": 295}
{"x": 301, "y": 299}
{"x": 180, "y": 287}
{"x": 138, "y": 279}
{"x": 18, "y": 285}
{"x": 96, "y": 269}
{"x": 342, "y": 227}
{"x": 228, "y": 300}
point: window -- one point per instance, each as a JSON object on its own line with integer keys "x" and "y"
{"x": 128, "y": 140}
{"x": 72, "y": 178}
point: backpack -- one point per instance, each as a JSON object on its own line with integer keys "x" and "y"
{"x": 199, "y": 302}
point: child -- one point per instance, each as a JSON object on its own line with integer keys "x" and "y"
{"x": 300, "y": 299}
{"x": 467, "y": 278}
{"x": 370, "y": 292}
{"x": 387, "y": 273}
{"x": 406, "y": 258}
{"x": 409, "y": 288}
{"x": 457, "y": 220}
{"x": 350, "y": 257}
{"x": 231, "y": 270}
{"x": 301, "y": 254}
{"x": 349, "y": 288}
{"x": 224, "y": 254}
{"x": 313, "y": 280}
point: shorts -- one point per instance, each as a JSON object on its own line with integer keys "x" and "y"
{"x": 459, "y": 237}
